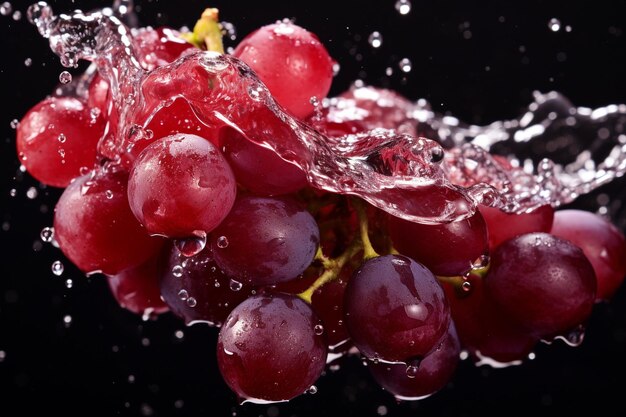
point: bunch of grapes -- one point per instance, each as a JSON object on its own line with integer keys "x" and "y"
{"x": 201, "y": 222}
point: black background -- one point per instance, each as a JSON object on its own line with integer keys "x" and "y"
{"x": 480, "y": 61}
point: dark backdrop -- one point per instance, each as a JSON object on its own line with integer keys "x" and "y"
{"x": 74, "y": 351}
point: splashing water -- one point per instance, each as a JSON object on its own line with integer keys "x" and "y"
{"x": 395, "y": 168}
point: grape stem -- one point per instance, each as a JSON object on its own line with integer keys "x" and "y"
{"x": 207, "y": 32}
{"x": 368, "y": 249}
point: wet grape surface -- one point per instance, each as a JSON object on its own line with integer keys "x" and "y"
{"x": 66, "y": 346}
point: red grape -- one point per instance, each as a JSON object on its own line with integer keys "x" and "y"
{"x": 603, "y": 244}
{"x": 265, "y": 240}
{"x": 292, "y": 62}
{"x": 197, "y": 290}
{"x": 271, "y": 348}
{"x": 395, "y": 310}
{"x": 502, "y": 226}
{"x": 432, "y": 374}
{"x": 57, "y": 138}
{"x": 137, "y": 289}
{"x": 95, "y": 228}
{"x": 545, "y": 283}
{"x": 446, "y": 249}
{"x": 181, "y": 186}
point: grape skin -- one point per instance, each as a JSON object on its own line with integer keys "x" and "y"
{"x": 181, "y": 186}
{"x": 95, "y": 227}
{"x": 544, "y": 282}
{"x": 502, "y": 226}
{"x": 265, "y": 240}
{"x": 395, "y": 310}
{"x": 269, "y": 350}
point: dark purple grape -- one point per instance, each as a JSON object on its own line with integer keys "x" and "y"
{"x": 395, "y": 309}
{"x": 197, "y": 290}
{"x": 424, "y": 380}
{"x": 488, "y": 334}
{"x": 271, "y": 348}
{"x": 446, "y": 249}
{"x": 264, "y": 241}
{"x": 545, "y": 283}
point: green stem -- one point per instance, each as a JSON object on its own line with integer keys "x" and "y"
{"x": 368, "y": 249}
{"x": 207, "y": 32}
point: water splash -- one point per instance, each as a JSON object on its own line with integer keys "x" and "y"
{"x": 432, "y": 180}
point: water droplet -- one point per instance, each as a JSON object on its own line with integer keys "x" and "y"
{"x": 192, "y": 245}
{"x": 229, "y": 30}
{"x": 14, "y": 123}
{"x": 67, "y": 320}
{"x": 28, "y": 62}
{"x": 31, "y": 193}
{"x": 314, "y": 101}
{"x": 3, "y": 355}
{"x": 47, "y": 234}
{"x": 336, "y": 68}
{"x": 108, "y": 194}
{"x": 183, "y": 295}
{"x": 466, "y": 286}
{"x": 375, "y": 39}
{"x": 192, "y": 302}
{"x": 12, "y": 192}
{"x": 69, "y": 283}
{"x": 403, "y": 6}
{"x": 6, "y": 8}
{"x": 235, "y": 285}
{"x": 554, "y": 24}
{"x": 319, "y": 329}
{"x": 17, "y": 15}
{"x": 222, "y": 242}
{"x": 405, "y": 65}
{"x": 62, "y": 138}
{"x": 65, "y": 77}
{"x": 412, "y": 368}
{"x": 312, "y": 390}
{"x": 177, "y": 271}
{"x": 57, "y": 268}
{"x": 436, "y": 155}
{"x": 179, "y": 334}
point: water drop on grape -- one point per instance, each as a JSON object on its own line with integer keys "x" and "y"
{"x": 57, "y": 268}
{"x": 177, "y": 271}
{"x": 191, "y": 246}
{"x": 192, "y": 302}
{"x": 405, "y": 65}
{"x": 235, "y": 285}
{"x": 312, "y": 390}
{"x": 466, "y": 286}
{"x": 183, "y": 295}
{"x": 222, "y": 242}
{"x": 65, "y": 77}
{"x": 319, "y": 329}
{"x": 403, "y": 6}
{"x": 375, "y": 39}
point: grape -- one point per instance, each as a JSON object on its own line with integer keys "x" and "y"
{"x": 489, "y": 334}
{"x": 197, "y": 290}
{"x": 137, "y": 289}
{"x": 160, "y": 46}
{"x": 395, "y": 310}
{"x": 269, "y": 349}
{"x": 95, "y": 228}
{"x": 181, "y": 186}
{"x": 446, "y": 249}
{"x": 265, "y": 240}
{"x": 502, "y": 226}
{"x": 544, "y": 282}
{"x": 258, "y": 169}
{"x": 602, "y": 242}
{"x": 292, "y": 62}
{"x": 432, "y": 374}
{"x": 57, "y": 138}
{"x": 327, "y": 302}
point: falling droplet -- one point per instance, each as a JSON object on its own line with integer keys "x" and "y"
{"x": 554, "y": 24}
{"x": 65, "y": 77}
{"x": 312, "y": 390}
{"x": 403, "y": 6}
{"x": 6, "y": 8}
{"x": 57, "y": 268}
{"x": 67, "y": 320}
{"x": 31, "y": 193}
{"x": 375, "y": 39}
{"x": 405, "y": 65}
{"x": 47, "y": 234}
{"x": 192, "y": 245}
{"x": 69, "y": 283}
{"x": 319, "y": 329}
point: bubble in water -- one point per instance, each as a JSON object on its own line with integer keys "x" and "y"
{"x": 554, "y": 24}
{"x": 405, "y": 65}
{"x": 229, "y": 30}
{"x": 381, "y": 410}
{"x": 319, "y": 329}
{"x": 222, "y": 242}
{"x": 65, "y": 77}
{"x": 177, "y": 271}
{"x": 375, "y": 39}
{"x": 403, "y": 6}
{"x": 179, "y": 334}
{"x": 6, "y": 8}
{"x": 47, "y": 234}
{"x": 183, "y": 295}
{"x": 192, "y": 302}
{"x": 57, "y": 268}
{"x": 466, "y": 286}
{"x": 235, "y": 285}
